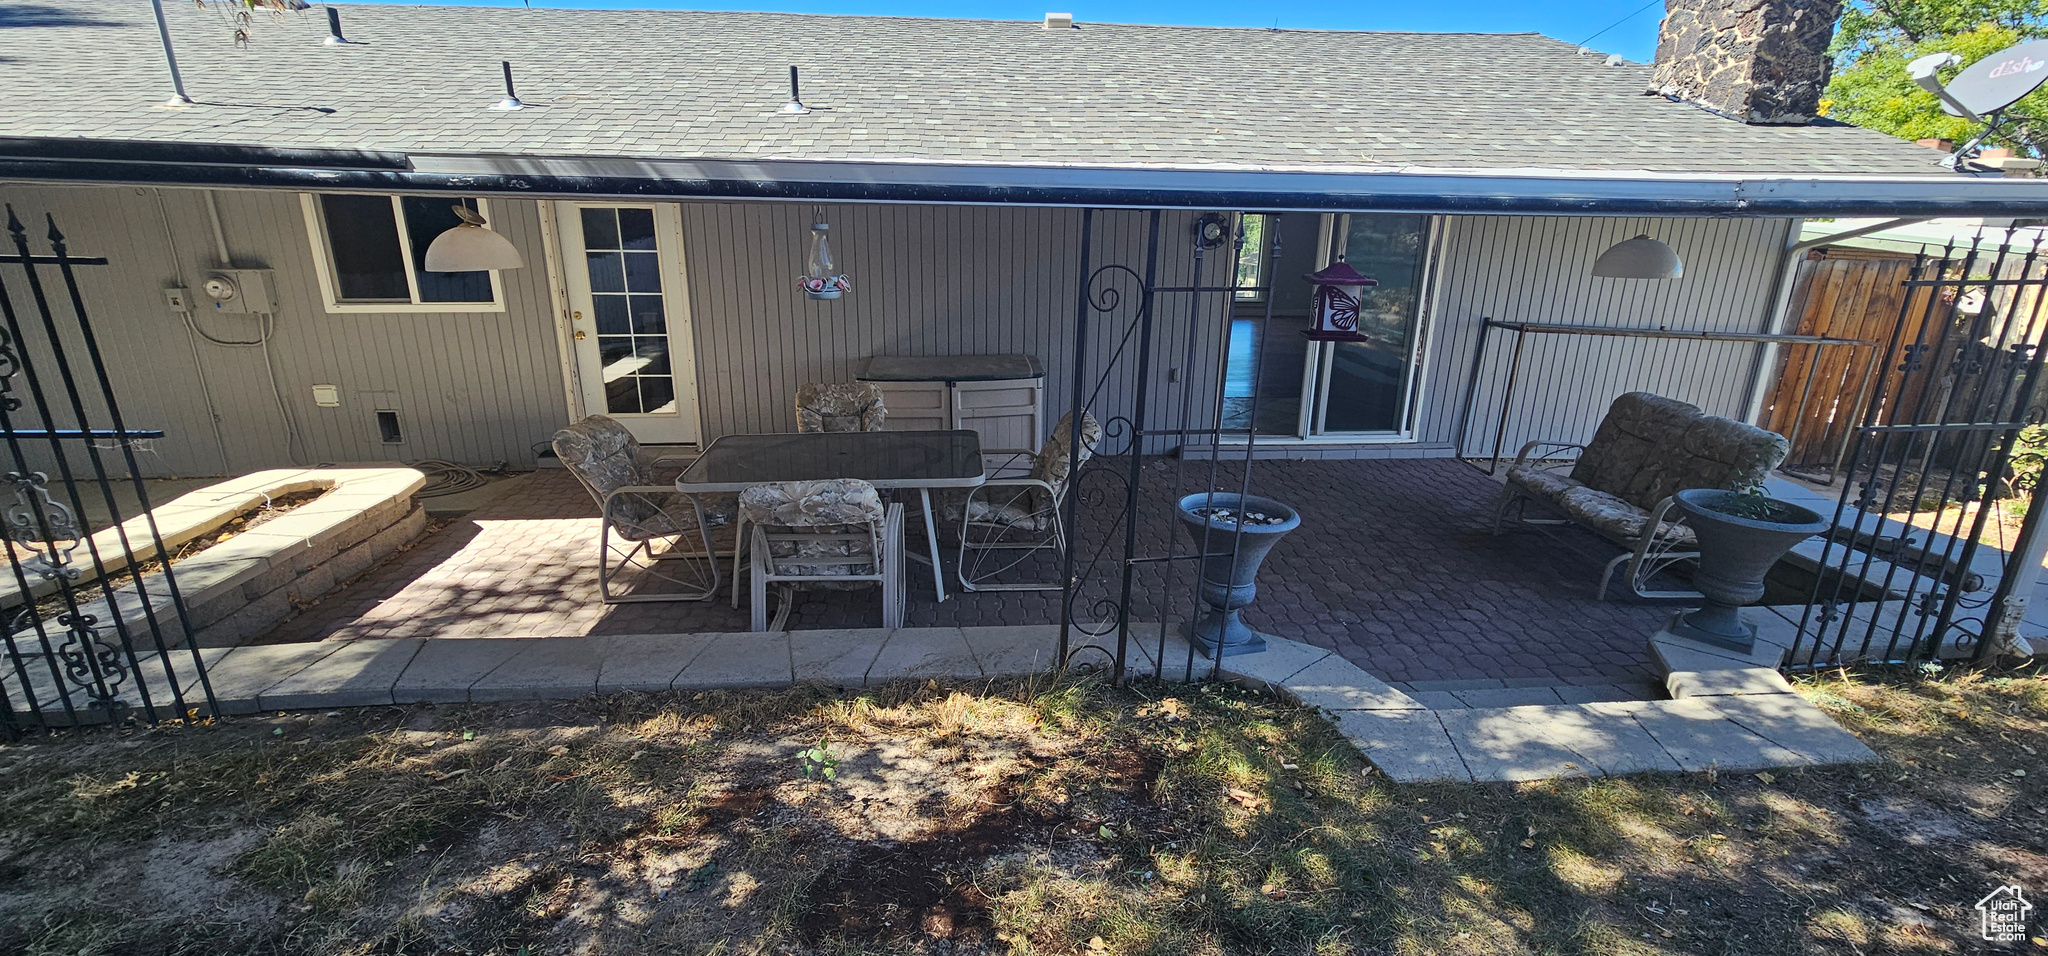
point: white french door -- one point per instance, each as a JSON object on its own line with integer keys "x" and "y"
{"x": 629, "y": 318}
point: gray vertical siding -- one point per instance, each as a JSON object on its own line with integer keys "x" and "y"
{"x": 1537, "y": 269}
{"x": 928, "y": 280}
{"x": 471, "y": 387}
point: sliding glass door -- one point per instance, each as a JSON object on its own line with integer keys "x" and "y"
{"x": 1306, "y": 389}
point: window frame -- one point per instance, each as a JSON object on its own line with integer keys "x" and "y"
{"x": 323, "y": 266}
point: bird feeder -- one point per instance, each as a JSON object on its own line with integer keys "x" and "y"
{"x": 819, "y": 281}
{"x": 1339, "y": 288}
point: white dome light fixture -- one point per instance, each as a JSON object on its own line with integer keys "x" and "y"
{"x": 1638, "y": 258}
{"x": 471, "y": 247}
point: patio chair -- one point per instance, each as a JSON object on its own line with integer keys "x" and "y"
{"x": 840, "y": 407}
{"x": 1016, "y": 513}
{"x": 1619, "y": 485}
{"x": 821, "y": 407}
{"x": 637, "y": 508}
{"x": 832, "y": 534}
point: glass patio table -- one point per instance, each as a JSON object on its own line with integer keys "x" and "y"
{"x": 888, "y": 460}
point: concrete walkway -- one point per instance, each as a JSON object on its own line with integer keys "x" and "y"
{"x": 1729, "y": 712}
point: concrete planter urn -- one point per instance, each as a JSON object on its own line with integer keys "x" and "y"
{"x": 1230, "y": 565}
{"x": 1741, "y": 536}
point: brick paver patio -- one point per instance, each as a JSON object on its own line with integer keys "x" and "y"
{"x": 1393, "y": 568}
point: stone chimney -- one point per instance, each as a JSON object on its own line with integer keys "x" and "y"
{"x": 1758, "y": 61}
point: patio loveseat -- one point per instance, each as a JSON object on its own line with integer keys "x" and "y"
{"x": 1619, "y": 485}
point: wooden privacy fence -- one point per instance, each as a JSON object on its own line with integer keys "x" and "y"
{"x": 1821, "y": 393}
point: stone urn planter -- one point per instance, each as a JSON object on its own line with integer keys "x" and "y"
{"x": 1741, "y": 535}
{"x": 1230, "y": 565}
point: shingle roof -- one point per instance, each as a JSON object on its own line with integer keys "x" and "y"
{"x": 709, "y": 85}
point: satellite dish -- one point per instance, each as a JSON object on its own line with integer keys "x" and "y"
{"x": 1983, "y": 90}
{"x": 1999, "y": 80}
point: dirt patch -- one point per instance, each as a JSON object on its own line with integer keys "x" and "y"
{"x": 899, "y": 891}
{"x": 987, "y": 819}
{"x": 270, "y": 510}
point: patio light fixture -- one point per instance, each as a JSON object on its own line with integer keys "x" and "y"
{"x": 819, "y": 281}
{"x": 1638, "y": 258}
{"x": 471, "y": 247}
{"x": 1340, "y": 290}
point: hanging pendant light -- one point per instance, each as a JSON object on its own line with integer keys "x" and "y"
{"x": 471, "y": 247}
{"x": 1638, "y": 258}
{"x": 819, "y": 281}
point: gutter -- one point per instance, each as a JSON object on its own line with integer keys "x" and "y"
{"x": 1382, "y": 189}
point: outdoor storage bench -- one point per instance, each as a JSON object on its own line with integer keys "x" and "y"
{"x": 1620, "y": 484}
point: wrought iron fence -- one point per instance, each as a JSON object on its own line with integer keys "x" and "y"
{"x": 94, "y": 624}
{"x": 1126, "y": 318}
{"x": 1904, "y": 576}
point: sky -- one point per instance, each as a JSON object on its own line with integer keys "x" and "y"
{"x": 1573, "y": 22}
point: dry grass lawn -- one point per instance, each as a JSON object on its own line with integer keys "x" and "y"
{"x": 998, "y": 818}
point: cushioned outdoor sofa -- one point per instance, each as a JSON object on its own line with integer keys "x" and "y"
{"x": 1620, "y": 484}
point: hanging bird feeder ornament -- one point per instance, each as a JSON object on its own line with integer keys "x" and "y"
{"x": 820, "y": 282}
{"x": 1339, "y": 290}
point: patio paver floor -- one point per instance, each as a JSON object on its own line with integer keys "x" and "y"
{"x": 1394, "y": 569}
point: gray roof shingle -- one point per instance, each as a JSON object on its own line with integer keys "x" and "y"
{"x": 680, "y": 84}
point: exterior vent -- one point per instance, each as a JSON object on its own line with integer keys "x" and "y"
{"x": 1059, "y": 21}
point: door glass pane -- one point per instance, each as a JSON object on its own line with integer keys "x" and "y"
{"x": 362, "y": 237}
{"x": 619, "y": 251}
{"x": 643, "y": 272}
{"x": 427, "y": 217}
{"x": 1368, "y": 381}
{"x": 636, "y": 229}
{"x": 600, "y": 229}
{"x": 1272, "y": 355}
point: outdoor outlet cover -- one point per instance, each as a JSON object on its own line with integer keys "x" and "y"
{"x": 327, "y": 396}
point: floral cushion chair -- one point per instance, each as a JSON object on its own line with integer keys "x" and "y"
{"x": 840, "y": 407}
{"x": 822, "y": 407}
{"x": 647, "y": 516}
{"x": 1015, "y": 515}
{"x": 832, "y": 534}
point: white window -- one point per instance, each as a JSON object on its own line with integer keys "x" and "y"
{"x": 370, "y": 252}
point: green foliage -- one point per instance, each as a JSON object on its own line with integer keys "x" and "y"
{"x": 1877, "y": 38}
{"x": 2029, "y": 454}
{"x": 819, "y": 763}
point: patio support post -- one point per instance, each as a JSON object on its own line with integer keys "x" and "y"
{"x": 1186, "y": 427}
{"x": 1074, "y": 412}
{"x": 1270, "y": 268}
{"x": 1144, "y": 388}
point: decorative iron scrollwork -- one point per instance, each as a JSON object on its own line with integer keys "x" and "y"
{"x": 43, "y": 525}
{"x": 89, "y": 661}
{"x": 1915, "y": 357}
{"x": 10, "y": 364}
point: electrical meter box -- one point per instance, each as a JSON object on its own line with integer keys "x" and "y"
{"x": 236, "y": 291}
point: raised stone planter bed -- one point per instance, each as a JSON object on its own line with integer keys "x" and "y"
{"x": 241, "y": 587}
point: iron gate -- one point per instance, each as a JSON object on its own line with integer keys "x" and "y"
{"x": 1900, "y": 578}
{"x": 89, "y": 636}
{"x": 1121, "y": 583}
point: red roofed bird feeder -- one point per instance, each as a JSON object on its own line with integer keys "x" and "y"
{"x": 1338, "y": 291}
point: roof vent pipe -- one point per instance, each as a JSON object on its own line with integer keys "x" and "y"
{"x": 163, "y": 33}
{"x": 796, "y": 100}
{"x": 334, "y": 37}
{"x": 511, "y": 100}
{"x": 1059, "y": 21}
